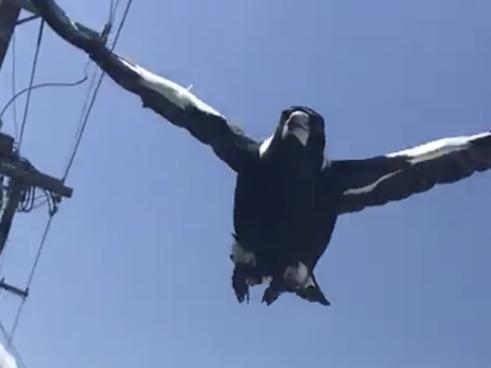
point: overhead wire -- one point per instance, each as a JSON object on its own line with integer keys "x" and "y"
{"x": 14, "y": 85}
{"x": 31, "y": 278}
{"x": 26, "y": 20}
{"x": 30, "y": 88}
{"x": 113, "y": 9}
{"x": 31, "y": 82}
{"x": 38, "y": 86}
{"x": 79, "y": 132}
{"x": 31, "y": 200}
{"x": 3, "y": 190}
{"x": 86, "y": 116}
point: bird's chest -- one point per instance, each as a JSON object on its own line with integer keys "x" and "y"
{"x": 276, "y": 204}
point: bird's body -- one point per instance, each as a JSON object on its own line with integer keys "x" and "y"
{"x": 288, "y": 195}
{"x": 280, "y": 211}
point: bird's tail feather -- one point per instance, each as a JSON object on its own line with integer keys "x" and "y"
{"x": 313, "y": 293}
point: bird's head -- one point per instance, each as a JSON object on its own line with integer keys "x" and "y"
{"x": 299, "y": 129}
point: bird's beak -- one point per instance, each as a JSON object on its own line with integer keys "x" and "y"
{"x": 297, "y": 125}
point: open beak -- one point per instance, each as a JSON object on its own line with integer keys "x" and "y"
{"x": 297, "y": 125}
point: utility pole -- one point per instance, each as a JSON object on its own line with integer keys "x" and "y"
{"x": 21, "y": 174}
{"x": 9, "y": 15}
{"x": 22, "y": 177}
{"x": 9, "y": 18}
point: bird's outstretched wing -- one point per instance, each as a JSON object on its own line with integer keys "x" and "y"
{"x": 376, "y": 181}
{"x": 170, "y": 100}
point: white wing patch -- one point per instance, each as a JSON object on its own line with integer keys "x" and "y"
{"x": 6, "y": 360}
{"x": 263, "y": 148}
{"x": 172, "y": 91}
{"x": 370, "y": 187}
{"x": 299, "y": 275}
{"x": 438, "y": 148}
{"x": 425, "y": 152}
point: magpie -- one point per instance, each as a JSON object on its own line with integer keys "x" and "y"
{"x": 288, "y": 195}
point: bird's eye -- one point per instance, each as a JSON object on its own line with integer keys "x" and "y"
{"x": 285, "y": 115}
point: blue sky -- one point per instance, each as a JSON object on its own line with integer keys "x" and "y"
{"x": 136, "y": 271}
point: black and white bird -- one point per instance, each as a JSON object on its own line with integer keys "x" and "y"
{"x": 288, "y": 195}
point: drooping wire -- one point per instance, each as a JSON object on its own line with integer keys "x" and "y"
{"x": 15, "y": 96}
{"x": 31, "y": 82}
{"x": 86, "y": 116}
{"x": 31, "y": 200}
{"x": 38, "y": 86}
{"x": 27, "y": 200}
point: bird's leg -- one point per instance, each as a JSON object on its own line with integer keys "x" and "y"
{"x": 239, "y": 284}
{"x": 273, "y": 291}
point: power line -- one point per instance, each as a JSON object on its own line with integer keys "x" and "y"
{"x": 14, "y": 84}
{"x": 111, "y": 11}
{"x": 31, "y": 82}
{"x": 42, "y": 245}
{"x": 123, "y": 21}
{"x": 38, "y": 86}
{"x": 114, "y": 6}
{"x": 16, "y": 95}
{"x": 84, "y": 110}
{"x": 85, "y": 119}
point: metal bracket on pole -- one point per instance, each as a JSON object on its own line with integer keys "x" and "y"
{"x": 14, "y": 290}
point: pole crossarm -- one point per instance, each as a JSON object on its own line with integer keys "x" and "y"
{"x": 14, "y": 290}
{"x": 26, "y": 174}
{"x": 23, "y": 175}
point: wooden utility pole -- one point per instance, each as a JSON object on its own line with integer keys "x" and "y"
{"x": 22, "y": 177}
{"x": 25, "y": 5}
{"x": 9, "y": 15}
{"x": 21, "y": 174}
